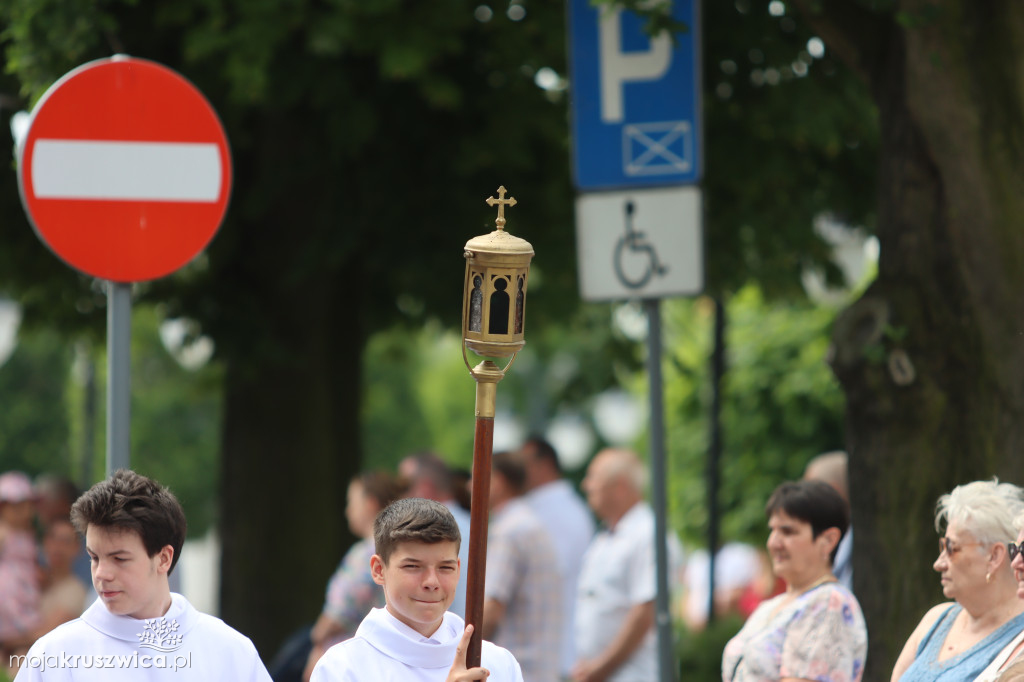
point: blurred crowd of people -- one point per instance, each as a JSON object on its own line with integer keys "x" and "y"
{"x": 574, "y": 600}
{"x": 44, "y": 570}
{"x": 570, "y": 578}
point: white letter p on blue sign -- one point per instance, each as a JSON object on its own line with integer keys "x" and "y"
{"x": 618, "y": 67}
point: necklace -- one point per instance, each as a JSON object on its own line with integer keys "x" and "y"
{"x": 827, "y": 578}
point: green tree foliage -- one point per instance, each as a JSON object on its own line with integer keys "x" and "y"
{"x": 176, "y": 416}
{"x": 790, "y": 136}
{"x": 418, "y": 396}
{"x": 50, "y": 408}
{"x": 781, "y": 405}
{"x": 33, "y": 419}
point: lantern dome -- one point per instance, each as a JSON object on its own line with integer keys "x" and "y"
{"x": 494, "y": 300}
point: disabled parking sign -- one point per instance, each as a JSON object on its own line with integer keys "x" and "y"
{"x": 640, "y": 243}
{"x": 635, "y": 99}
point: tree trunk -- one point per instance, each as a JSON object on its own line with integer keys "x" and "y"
{"x": 290, "y": 446}
{"x": 931, "y": 357}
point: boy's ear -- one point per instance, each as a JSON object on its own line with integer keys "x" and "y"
{"x": 163, "y": 559}
{"x": 377, "y": 569}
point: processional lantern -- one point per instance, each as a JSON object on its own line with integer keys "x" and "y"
{"x": 493, "y": 315}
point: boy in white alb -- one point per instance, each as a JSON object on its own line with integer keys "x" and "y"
{"x": 414, "y": 638}
{"x": 138, "y": 630}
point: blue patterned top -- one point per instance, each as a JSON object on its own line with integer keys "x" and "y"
{"x": 966, "y": 665}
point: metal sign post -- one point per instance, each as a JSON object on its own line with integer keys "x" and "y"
{"x": 662, "y": 614}
{"x": 119, "y": 359}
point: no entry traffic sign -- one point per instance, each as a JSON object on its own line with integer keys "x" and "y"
{"x": 125, "y": 171}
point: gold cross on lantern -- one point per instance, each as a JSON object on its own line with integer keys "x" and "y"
{"x": 502, "y": 202}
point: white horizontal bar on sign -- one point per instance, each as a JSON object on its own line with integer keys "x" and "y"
{"x": 125, "y": 171}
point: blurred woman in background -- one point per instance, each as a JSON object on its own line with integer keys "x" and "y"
{"x": 815, "y": 629}
{"x": 64, "y": 595}
{"x": 351, "y": 592}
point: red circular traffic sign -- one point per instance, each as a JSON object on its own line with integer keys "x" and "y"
{"x": 125, "y": 172}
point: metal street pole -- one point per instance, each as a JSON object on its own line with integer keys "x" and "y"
{"x": 119, "y": 355}
{"x": 715, "y": 450}
{"x": 662, "y": 615}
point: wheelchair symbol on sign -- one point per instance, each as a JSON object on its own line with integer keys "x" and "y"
{"x": 636, "y": 261}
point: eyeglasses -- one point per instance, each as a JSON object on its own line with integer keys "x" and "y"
{"x": 1014, "y": 549}
{"x": 951, "y": 549}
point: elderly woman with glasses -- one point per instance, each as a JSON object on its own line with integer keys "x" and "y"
{"x": 814, "y": 630}
{"x": 957, "y": 641}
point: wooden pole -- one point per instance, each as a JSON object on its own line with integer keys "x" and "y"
{"x": 483, "y": 442}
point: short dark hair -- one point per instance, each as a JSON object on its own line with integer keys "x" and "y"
{"x": 413, "y": 519}
{"x": 382, "y": 486}
{"x": 128, "y": 501}
{"x": 542, "y": 449}
{"x": 814, "y": 502}
{"x": 512, "y": 468}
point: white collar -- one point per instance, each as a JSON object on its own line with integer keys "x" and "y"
{"x": 397, "y": 640}
{"x": 632, "y": 516}
{"x": 181, "y": 616}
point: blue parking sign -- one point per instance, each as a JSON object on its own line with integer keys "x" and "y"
{"x": 635, "y": 99}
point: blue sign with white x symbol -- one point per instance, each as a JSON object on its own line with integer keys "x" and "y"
{"x": 636, "y": 99}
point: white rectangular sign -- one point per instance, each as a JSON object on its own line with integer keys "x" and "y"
{"x": 642, "y": 243}
{"x": 126, "y": 170}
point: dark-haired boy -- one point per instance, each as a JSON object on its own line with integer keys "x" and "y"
{"x": 138, "y": 629}
{"x": 414, "y": 638}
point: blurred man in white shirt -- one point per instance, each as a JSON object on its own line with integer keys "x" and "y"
{"x": 569, "y": 523}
